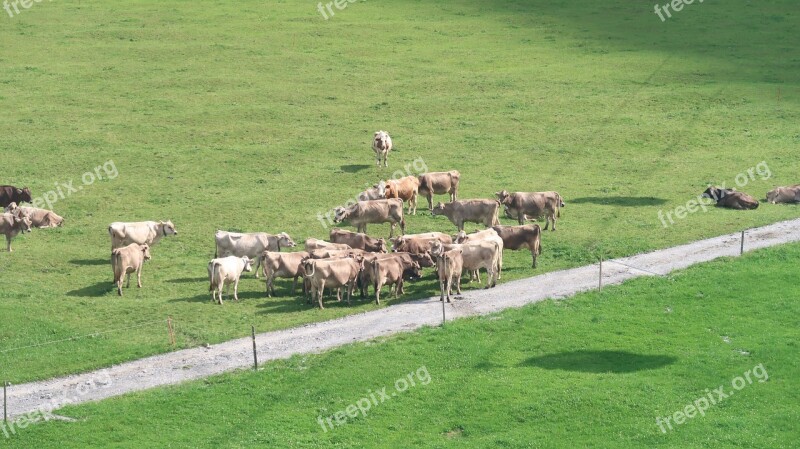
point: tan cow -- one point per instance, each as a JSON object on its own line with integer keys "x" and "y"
{"x": 282, "y": 265}
{"x": 376, "y": 192}
{"x": 408, "y": 260}
{"x": 332, "y": 253}
{"x": 382, "y": 145}
{"x": 533, "y": 204}
{"x": 11, "y": 225}
{"x": 127, "y": 260}
{"x": 367, "y": 212}
{"x": 519, "y": 237}
{"x": 477, "y": 255}
{"x": 40, "y": 218}
{"x": 358, "y": 240}
{"x": 485, "y": 235}
{"x": 419, "y": 243}
{"x": 405, "y": 189}
{"x": 390, "y": 270}
{"x": 312, "y": 244}
{"x": 449, "y": 265}
{"x": 333, "y": 273}
{"x": 142, "y": 232}
{"x": 439, "y": 183}
{"x": 789, "y": 194}
{"x": 251, "y": 244}
{"x": 730, "y": 198}
{"x": 513, "y": 214}
{"x": 228, "y": 270}
{"x": 474, "y": 211}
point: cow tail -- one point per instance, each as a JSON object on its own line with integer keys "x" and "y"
{"x": 375, "y": 272}
{"x": 558, "y": 206}
{"x": 214, "y": 275}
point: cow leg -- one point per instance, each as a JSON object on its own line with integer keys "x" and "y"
{"x": 386, "y": 159}
{"x": 8, "y": 243}
{"x": 139, "y": 277}
{"x": 429, "y": 196}
{"x": 458, "y": 283}
{"x": 236, "y": 289}
{"x": 128, "y": 284}
{"x": 398, "y": 288}
{"x": 294, "y": 284}
{"x": 403, "y": 226}
{"x": 258, "y": 264}
{"x": 441, "y": 288}
{"x": 320, "y": 292}
{"x": 119, "y": 286}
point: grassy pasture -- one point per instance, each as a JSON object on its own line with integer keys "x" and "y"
{"x": 592, "y": 371}
{"x": 257, "y": 116}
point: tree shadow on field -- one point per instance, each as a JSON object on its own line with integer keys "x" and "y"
{"x": 98, "y": 289}
{"x": 625, "y": 201}
{"x": 599, "y": 361}
{"x": 354, "y": 168}
{"x": 91, "y": 261}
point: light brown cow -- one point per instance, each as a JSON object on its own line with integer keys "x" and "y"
{"x": 513, "y": 214}
{"x": 389, "y": 271}
{"x": 282, "y": 265}
{"x": 534, "y": 205}
{"x": 405, "y": 189}
{"x": 127, "y": 260}
{"x": 730, "y": 198}
{"x": 332, "y": 253}
{"x": 519, "y": 237}
{"x": 474, "y": 211}
{"x": 449, "y": 265}
{"x": 419, "y": 243}
{"x": 11, "y": 225}
{"x": 475, "y": 256}
{"x": 228, "y": 270}
{"x": 141, "y": 232}
{"x": 250, "y": 244}
{"x": 376, "y": 192}
{"x": 439, "y": 183}
{"x": 358, "y": 240}
{"x": 312, "y": 244}
{"x": 382, "y": 145}
{"x": 485, "y": 235}
{"x": 333, "y": 273}
{"x": 40, "y": 218}
{"x": 378, "y": 211}
{"x": 788, "y": 194}
{"x": 365, "y": 278}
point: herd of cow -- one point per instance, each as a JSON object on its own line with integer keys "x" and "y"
{"x": 352, "y": 260}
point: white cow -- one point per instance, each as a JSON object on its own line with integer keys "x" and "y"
{"x": 226, "y": 269}
{"x": 141, "y": 232}
{"x": 382, "y": 145}
{"x": 251, "y": 244}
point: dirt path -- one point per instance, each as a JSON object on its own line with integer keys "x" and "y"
{"x": 196, "y": 363}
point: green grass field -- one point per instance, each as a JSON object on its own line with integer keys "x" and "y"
{"x": 257, "y": 116}
{"x": 592, "y": 371}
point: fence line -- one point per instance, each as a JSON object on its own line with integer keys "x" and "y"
{"x": 83, "y": 336}
{"x": 635, "y": 268}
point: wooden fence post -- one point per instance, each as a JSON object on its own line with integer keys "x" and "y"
{"x": 5, "y": 403}
{"x": 741, "y": 248}
{"x": 255, "y": 355}
{"x": 600, "y": 279}
{"x": 171, "y": 331}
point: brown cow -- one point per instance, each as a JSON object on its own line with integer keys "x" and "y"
{"x": 518, "y": 237}
{"x": 365, "y": 278}
{"x": 312, "y": 244}
{"x": 730, "y": 198}
{"x": 486, "y": 235}
{"x": 789, "y": 194}
{"x": 40, "y": 218}
{"x": 477, "y": 255}
{"x": 334, "y": 273}
{"x": 282, "y": 265}
{"x": 419, "y": 243}
{"x": 439, "y": 183}
{"x": 332, "y": 253}
{"x": 358, "y": 240}
{"x": 475, "y": 211}
{"x": 11, "y": 194}
{"x": 11, "y": 225}
{"x": 378, "y": 211}
{"x": 127, "y": 260}
{"x": 390, "y": 270}
{"x": 376, "y": 192}
{"x": 533, "y": 205}
{"x": 449, "y": 266}
{"x": 405, "y": 189}
{"x": 513, "y": 214}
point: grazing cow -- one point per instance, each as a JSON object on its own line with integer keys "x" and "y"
{"x": 390, "y": 271}
{"x": 149, "y": 232}
{"x": 789, "y": 194}
{"x": 333, "y": 273}
{"x": 282, "y": 265}
{"x": 382, "y": 145}
{"x": 477, "y": 255}
{"x": 449, "y": 265}
{"x": 405, "y": 189}
{"x": 519, "y": 237}
{"x": 251, "y": 244}
{"x": 475, "y": 211}
{"x": 513, "y": 214}
{"x": 439, "y": 183}
{"x": 408, "y": 260}
{"x": 730, "y": 198}
{"x": 486, "y": 235}
{"x": 312, "y": 244}
{"x": 378, "y": 211}
{"x": 11, "y": 225}
{"x": 358, "y": 240}
{"x": 419, "y": 243}
{"x": 228, "y": 270}
{"x": 333, "y": 253}
{"x": 376, "y": 192}
{"x": 11, "y": 194}
{"x": 40, "y": 218}
{"x": 127, "y": 260}
{"x": 533, "y": 205}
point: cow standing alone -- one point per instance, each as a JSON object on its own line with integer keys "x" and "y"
{"x": 127, "y": 260}
{"x": 534, "y": 205}
{"x": 382, "y": 145}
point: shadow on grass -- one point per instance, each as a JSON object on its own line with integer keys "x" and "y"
{"x": 599, "y": 361}
{"x": 354, "y": 168}
{"x": 188, "y": 280}
{"x": 91, "y": 261}
{"x": 98, "y": 289}
{"x": 626, "y": 201}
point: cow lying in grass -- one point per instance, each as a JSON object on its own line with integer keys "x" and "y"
{"x": 730, "y": 198}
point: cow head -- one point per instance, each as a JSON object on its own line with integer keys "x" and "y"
{"x": 23, "y": 223}
{"x": 285, "y": 241}
{"x": 382, "y": 246}
{"x": 461, "y": 237}
{"x": 772, "y": 196}
{"x": 146, "y": 251}
{"x": 248, "y": 264}
{"x": 424, "y": 260}
{"x": 167, "y": 228}
{"x": 398, "y": 243}
{"x": 380, "y": 139}
{"x": 714, "y": 193}
{"x": 12, "y": 207}
{"x": 436, "y": 248}
{"x": 414, "y": 272}
{"x": 340, "y": 214}
{"x": 438, "y": 210}
{"x": 501, "y": 195}
{"x": 308, "y": 267}
{"x": 24, "y": 195}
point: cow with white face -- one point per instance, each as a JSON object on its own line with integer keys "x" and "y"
{"x": 142, "y": 232}
{"x": 226, "y": 270}
{"x": 13, "y": 224}
{"x": 382, "y": 145}
{"x": 252, "y": 244}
